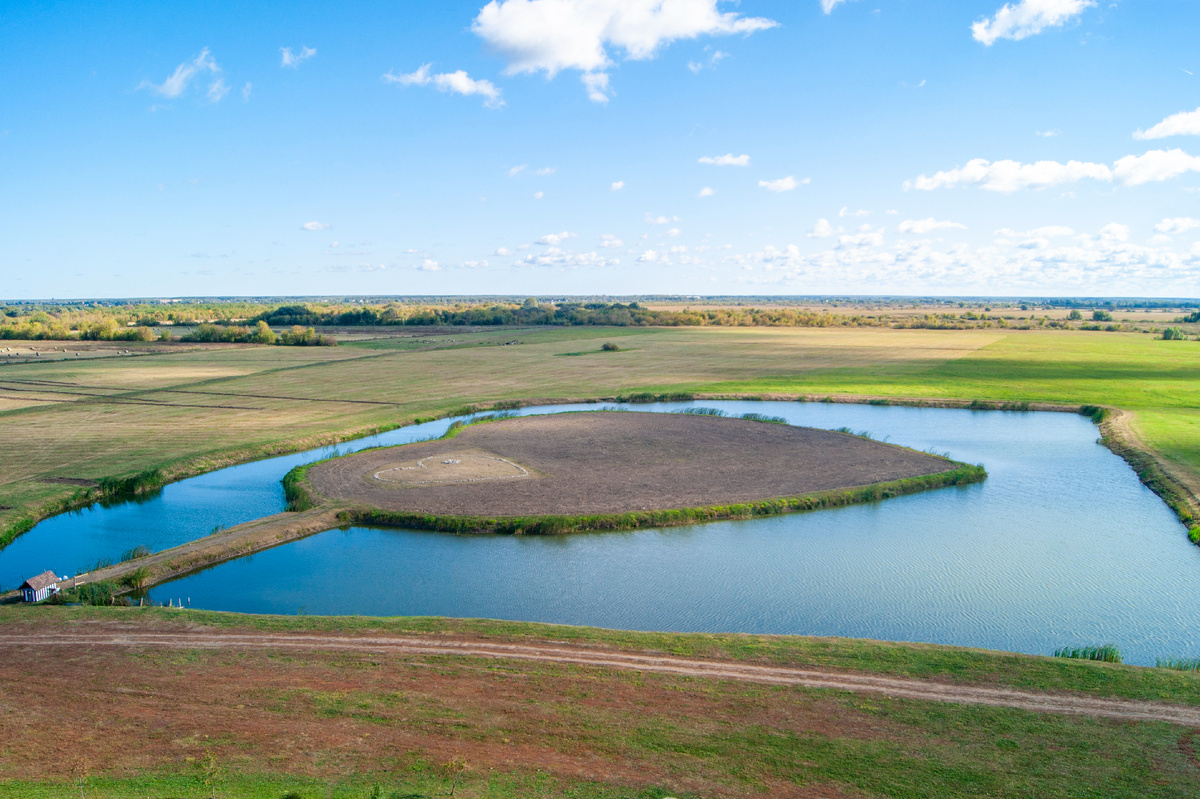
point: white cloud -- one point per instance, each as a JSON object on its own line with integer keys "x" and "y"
{"x": 537, "y": 195}
{"x": 503, "y": 252}
{"x": 821, "y": 230}
{"x": 1026, "y": 18}
{"x": 596, "y": 84}
{"x": 1155, "y": 166}
{"x": 617, "y": 185}
{"x": 475, "y": 264}
{"x": 546, "y": 170}
{"x": 707, "y": 191}
{"x": 553, "y": 35}
{"x": 651, "y": 219}
{"x": 1047, "y": 134}
{"x": 1180, "y": 224}
{"x": 1010, "y": 176}
{"x": 609, "y": 241}
{"x": 1185, "y": 123}
{"x": 179, "y": 80}
{"x": 729, "y": 159}
{"x": 315, "y": 226}
{"x": 923, "y": 226}
{"x": 1114, "y": 232}
{"x": 217, "y": 90}
{"x": 1045, "y": 232}
{"x": 293, "y": 60}
{"x": 457, "y": 82}
{"x": 673, "y": 232}
{"x": 865, "y": 238}
{"x": 828, "y": 5}
{"x": 565, "y": 259}
{"x": 555, "y": 238}
{"x": 782, "y": 184}
{"x": 246, "y": 91}
{"x": 847, "y": 212}
{"x": 695, "y": 66}
{"x": 516, "y": 170}
{"x": 430, "y": 266}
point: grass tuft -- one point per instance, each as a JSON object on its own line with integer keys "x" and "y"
{"x": 701, "y": 412}
{"x": 762, "y": 417}
{"x": 1178, "y": 664}
{"x": 1107, "y": 653}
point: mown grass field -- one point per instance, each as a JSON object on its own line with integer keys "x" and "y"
{"x": 194, "y": 410}
{"x": 181, "y": 722}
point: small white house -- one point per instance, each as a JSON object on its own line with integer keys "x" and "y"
{"x": 35, "y": 589}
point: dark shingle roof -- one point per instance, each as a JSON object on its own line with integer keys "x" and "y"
{"x": 43, "y": 580}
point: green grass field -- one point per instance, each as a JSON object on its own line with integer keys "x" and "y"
{"x": 201, "y": 409}
{"x": 336, "y": 724}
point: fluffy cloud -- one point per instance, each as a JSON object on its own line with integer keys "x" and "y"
{"x": 729, "y": 159}
{"x": 516, "y": 170}
{"x": 1185, "y": 123}
{"x": 553, "y": 35}
{"x": 1180, "y": 224}
{"x": 475, "y": 264}
{"x": 181, "y": 78}
{"x": 1026, "y": 18}
{"x": 1155, "y": 166}
{"x": 923, "y": 226}
{"x": 651, "y": 219}
{"x": 707, "y": 191}
{"x": 1045, "y": 232}
{"x": 293, "y": 60}
{"x": 1009, "y": 176}
{"x": 821, "y": 230}
{"x": 315, "y": 226}
{"x": 828, "y": 5}
{"x": 610, "y": 241}
{"x": 457, "y": 82}
{"x": 430, "y": 265}
{"x": 782, "y": 184}
{"x": 555, "y": 238}
{"x": 503, "y": 251}
{"x": 565, "y": 259}
{"x": 847, "y": 212}
{"x": 617, "y": 185}
{"x": 1085, "y": 264}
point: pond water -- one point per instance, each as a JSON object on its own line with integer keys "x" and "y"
{"x": 1060, "y": 546}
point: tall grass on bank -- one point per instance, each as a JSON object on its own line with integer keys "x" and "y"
{"x": 1178, "y": 664}
{"x": 701, "y": 412}
{"x": 762, "y": 417}
{"x": 1106, "y": 653}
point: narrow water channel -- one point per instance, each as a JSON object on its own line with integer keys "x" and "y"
{"x": 1060, "y": 546}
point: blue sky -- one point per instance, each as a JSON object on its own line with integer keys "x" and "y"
{"x": 1040, "y": 147}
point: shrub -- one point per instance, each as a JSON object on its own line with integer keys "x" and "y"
{"x": 1101, "y": 316}
{"x": 1094, "y": 412}
{"x": 1194, "y": 535}
{"x": 1108, "y": 653}
{"x": 136, "y": 578}
{"x": 1075, "y": 315}
{"x": 608, "y": 346}
{"x": 1174, "y": 334}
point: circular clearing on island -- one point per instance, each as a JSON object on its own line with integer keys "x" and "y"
{"x": 608, "y": 462}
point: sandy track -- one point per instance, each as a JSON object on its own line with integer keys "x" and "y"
{"x": 898, "y": 687}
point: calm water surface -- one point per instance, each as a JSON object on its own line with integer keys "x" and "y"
{"x": 1061, "y": 545}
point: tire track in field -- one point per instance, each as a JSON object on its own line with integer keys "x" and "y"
{"x": 897, "y": 687}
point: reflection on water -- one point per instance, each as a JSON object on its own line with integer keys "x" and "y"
{"x": 1061, "y": 545}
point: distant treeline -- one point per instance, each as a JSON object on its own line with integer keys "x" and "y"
{"x": 298, "y": 336}
{"x": 572, "y": 314}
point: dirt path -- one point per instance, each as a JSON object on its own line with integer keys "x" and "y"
{"x": 898, "y": 687}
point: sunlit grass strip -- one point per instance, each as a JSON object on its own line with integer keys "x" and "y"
{"x": 1107, "y": 653}
{"x": 963, "y": 474}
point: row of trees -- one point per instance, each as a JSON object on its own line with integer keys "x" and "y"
{"x": 298, "y": 336}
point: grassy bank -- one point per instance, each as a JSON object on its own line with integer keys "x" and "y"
{"x": 187, "y": 722}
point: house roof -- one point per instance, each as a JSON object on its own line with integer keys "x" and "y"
{"x": 43, "y": 580}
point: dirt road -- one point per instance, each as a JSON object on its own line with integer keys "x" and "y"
{"x": 899, "y": 687}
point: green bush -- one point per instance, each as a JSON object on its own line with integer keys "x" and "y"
{"x": 1101, "y": 316}
{"x": 608, "y": 346}
{"x": 1174, "y": 334}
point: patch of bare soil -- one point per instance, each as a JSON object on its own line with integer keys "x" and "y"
{"x": 610, "y": 462}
